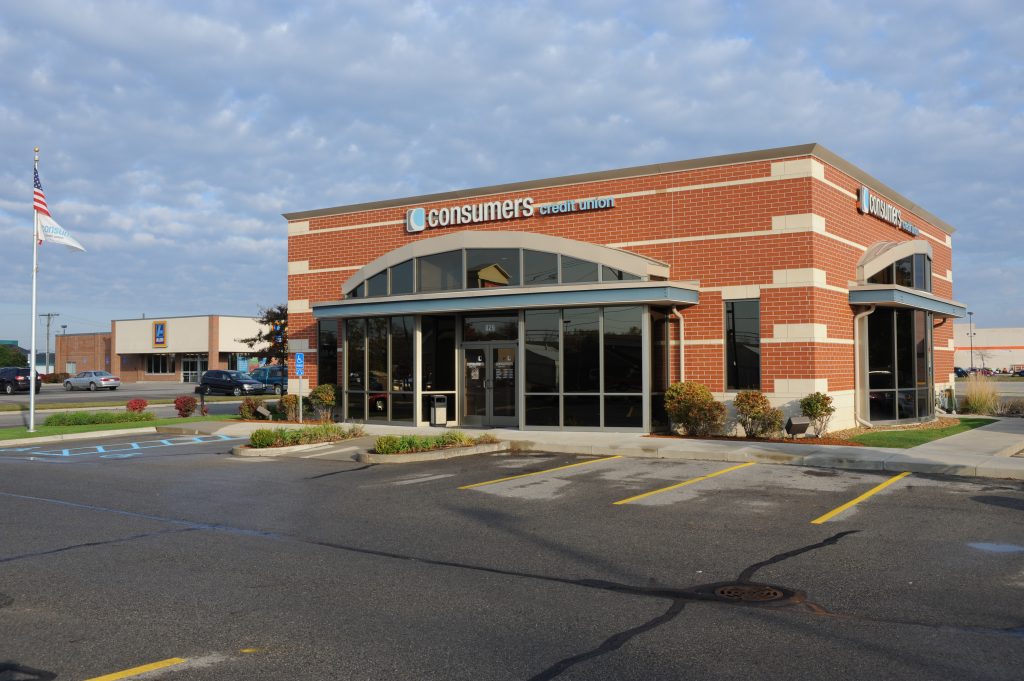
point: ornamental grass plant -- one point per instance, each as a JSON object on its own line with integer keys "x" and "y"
{"x": 980, "y": 396}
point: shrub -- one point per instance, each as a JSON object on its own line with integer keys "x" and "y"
{"x": 1014, "y": 407}
{"x": 324, "y": 397}
{"x": 137, "y": 405}
{"x": 247, "y": 409}
{"x": 691, "y": 406}
{"x": 756, "y": 414}
{"x": 401, "y": 444}
{"x": 88, "y": 418}
{"x": 285, "y": 437}
{"x": 288, "y": 406}
{"x": 185, "y": 405}
{"x": 980, "y": 396}
{"x": 818, "y": 408}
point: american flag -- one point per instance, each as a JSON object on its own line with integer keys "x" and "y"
{"x": 38, "y": 197}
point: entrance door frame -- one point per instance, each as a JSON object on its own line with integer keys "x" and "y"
{"x": 489, "y": 420}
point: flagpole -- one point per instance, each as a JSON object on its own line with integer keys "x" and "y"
{"x": 32, "y": 355}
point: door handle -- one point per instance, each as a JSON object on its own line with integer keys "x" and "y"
{"x": 488, "y": 384}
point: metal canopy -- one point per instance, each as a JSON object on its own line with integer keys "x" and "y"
{"x": 899, "y": 296}
{"x": 485, "y": 300}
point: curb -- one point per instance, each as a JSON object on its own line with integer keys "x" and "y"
{"x": 246, "y": 450}
{"x": 434, "y": 454}
{"x": 91, "y": 434}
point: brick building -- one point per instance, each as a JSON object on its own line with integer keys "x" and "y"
{"x": 174, "y": 349}
{"x": 572, "y": 302}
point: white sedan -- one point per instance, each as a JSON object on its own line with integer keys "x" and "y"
{"x": 91, "y": 380}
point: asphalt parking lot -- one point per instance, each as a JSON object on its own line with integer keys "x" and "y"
{"x": 498, "y": 567}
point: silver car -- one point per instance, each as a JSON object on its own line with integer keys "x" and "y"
{"x": 91, "y": 380}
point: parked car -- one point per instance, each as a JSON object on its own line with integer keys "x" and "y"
{"x": 92, "y": 380}
{"x": 235, "y": 383}
{"x": 15, "y": 379}
{"x": 1020, "y": 373}
{"x": 960, "y": 373}
{"x": 274, "y": 376}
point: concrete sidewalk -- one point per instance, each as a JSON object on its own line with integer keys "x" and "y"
{"x": 982, "y": 452}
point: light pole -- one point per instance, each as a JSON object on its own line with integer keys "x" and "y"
{"x": 970, "y": 333}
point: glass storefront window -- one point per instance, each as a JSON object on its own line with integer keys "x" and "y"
{"x": 623, "y": 411}
{"x": 623, "y": 351}
{"x": 582, "y": 369}
{"x": 905, "y": 272}
{"x": 356, "y": 343}
{"x": 582, "y": 411}
{"x": 401, "y": 354}
{"x": 542, "y": 327}
{"x": 440, "y": 272}
{"x": 402, "y": 278}
{"x": 899, "y": 365}
{"x": 492, "y": 267}
{"x": 438, "y": 354}
{"x": 377, "y": 352}
{"x": 743, "y": 344}
{"x": 539, "y": 268}
{"x": 327, "y": 352}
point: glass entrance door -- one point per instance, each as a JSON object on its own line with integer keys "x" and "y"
{"x": 489, "y": 385}
{"x": 192, "y": 367}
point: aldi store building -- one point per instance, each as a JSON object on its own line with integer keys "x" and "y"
{"x": 573, "y": 302}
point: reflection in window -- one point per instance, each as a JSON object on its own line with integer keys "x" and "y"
{"x": 899, "y": 364}
{"x": 440, "y": 272}
{"x": 539, "y": 268}
{"x": 377, "y": 352}
{"x": 743, "y": 345}
{"x": 356, "y": 329}
{"x": 402, "y": 278}
{"x": 377, "y": 285}
{"x": 542, "y": 351}
{"x": 492, "y": 267}
{"x": 914, "y": 271}
{"x": 401, "y": 354}
{"x": 576, "y": 271}
{"x": 623, "y": 353}
{"x": 327, "y": 352}
{"x": 582, "y": 350}
{"x": 491, "y": 327}
{"x": 611, "y": 274}
{"x": 438, "y": 354}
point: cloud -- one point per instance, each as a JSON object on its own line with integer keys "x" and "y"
{"x": 174, "y": 134}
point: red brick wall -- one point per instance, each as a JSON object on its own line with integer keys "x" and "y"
{"x": 89, "y": 352}
{"x": 720, "y": 262}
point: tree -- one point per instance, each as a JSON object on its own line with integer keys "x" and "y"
{"x": 271, "y": 342}
{"x": 11, "y": 356}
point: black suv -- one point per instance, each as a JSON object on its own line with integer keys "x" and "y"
{"x": 15, "y": 379}
{"x": 274, "y": 376}
{"x": 230, "y": 383}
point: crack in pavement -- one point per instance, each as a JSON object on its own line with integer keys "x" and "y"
{"x": 105, "y": 542}
{"x": 679, "y": 597}
{"x": 346, "y": 470}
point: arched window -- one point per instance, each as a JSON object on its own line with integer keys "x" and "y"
{"x": 905, "y": 263}
{"x": 477, "y": 260}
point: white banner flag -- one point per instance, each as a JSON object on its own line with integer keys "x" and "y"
{"x": 49, "y": 230}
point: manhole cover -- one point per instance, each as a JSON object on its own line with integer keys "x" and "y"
{"x": 749, "y": 593}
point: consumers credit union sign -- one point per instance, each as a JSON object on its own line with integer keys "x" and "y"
{"x": 872, "y": 204}
{"x": 419, "y": 219}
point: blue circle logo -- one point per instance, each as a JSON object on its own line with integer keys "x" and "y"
{"x": 415, "y": 220}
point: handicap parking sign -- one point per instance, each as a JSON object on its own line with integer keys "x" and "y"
{"x": 300, "y": 363}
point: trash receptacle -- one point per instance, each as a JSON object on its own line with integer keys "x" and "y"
{"x": 438, "y": 410}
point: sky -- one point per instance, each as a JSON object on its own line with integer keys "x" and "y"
{"x": 174, "y": 134}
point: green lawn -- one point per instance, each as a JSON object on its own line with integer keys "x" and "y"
{"x": 121, "y": 403}
{"x": 913, "y": 437}
{"x": 43, "y": 431}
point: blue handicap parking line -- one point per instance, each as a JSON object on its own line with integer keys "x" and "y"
{"x": 125, "y": 450}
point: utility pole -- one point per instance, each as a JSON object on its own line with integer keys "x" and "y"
{"x": 49, "y": 318}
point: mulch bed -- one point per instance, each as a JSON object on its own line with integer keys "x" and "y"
{"x": 829, "y": 440}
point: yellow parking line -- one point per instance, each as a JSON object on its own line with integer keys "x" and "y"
{"x": 134, "y": 671}
{"x": 549, "y": 470}
{"x": 682, "y": 484}
{"x": 849, "y": 504}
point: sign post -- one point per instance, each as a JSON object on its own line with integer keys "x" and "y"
{"x": 300, "y": 369}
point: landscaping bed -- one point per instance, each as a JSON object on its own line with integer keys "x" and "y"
{"x": 268, "y": 438}
{"x": 913, "y": 434}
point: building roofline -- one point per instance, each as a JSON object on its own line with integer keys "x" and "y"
{"x": 813, "y": 149}
{"x": 183, "y": 316}
{"x": 82, "y": 333}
